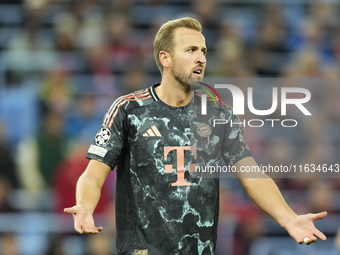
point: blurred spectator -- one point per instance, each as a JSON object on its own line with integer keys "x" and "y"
{"x": 7, "y": 165}
{"x": 312, "y": 45}
{"x": 79, "y": 9}
{"x": 240, "y": 221}
{"x": 39, "y": 155}
{"x": 250, "y": 228}
{"x": 337, "y": 240}
{"x": 145, "y": 47}
{"x": 273, "y": 12}
{"x": 134, "y": 79}
{"x": 304, "y": 64}
{"x": 336, "y": 44}
{"x": 318, "y": 147}
{"x": 65, "y": 30}
{"x": 103, "y": 82}
{"x": 269, "y": 51}
{"x": 321, "y": 196}
{"x": 280, "y": 151}
{"x": 35, "y": 9}
{"x": 83, "y": 118}
{"x": 6, "y": 189}
{"x": 207, "y": 11}
{"x": 91, "y": 32}
{"x": 232, "y": 52}
{"x": 249, "y": 225}
{"x": 8, "y": 182}
{"x": 325, "y": 14}
{"x": 30, "y": 50}
{"x": 226, "y": 223}
{"x": 122, "y": 6}
{"x": 56, "y": 91}
{"x": 122, "y": 41}
{"x": 9, "y": 244}
{"x": 8, "y": 240}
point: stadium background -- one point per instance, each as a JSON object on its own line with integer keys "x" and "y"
{"x": 63, "y": 62}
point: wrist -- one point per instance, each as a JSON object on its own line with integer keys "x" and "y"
{"x": 85, "y": 209}
{"x": 285, "y": 221}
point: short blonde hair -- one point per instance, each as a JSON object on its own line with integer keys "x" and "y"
{"x": 164, "y": 39}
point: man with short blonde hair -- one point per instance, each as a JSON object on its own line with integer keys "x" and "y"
{"x": 164, "y": 39}
{"x": 160, "y": 207}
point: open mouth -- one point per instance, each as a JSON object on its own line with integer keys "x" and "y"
{"x": 198, "y": 71}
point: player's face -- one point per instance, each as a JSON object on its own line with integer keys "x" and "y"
{"x": 188, "y": 58}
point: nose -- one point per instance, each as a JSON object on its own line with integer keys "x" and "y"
{"x": 201, "y": 59}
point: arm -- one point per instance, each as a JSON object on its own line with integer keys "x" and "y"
{"x": 268, "y": 198}
{"x": 87, "y": 196}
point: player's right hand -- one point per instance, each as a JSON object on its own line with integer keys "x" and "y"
{"x": 83, "y": 220}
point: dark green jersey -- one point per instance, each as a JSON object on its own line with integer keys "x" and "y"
{"x": 161, "y": 207}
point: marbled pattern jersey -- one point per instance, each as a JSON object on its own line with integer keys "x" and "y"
{"x": 162, "y": 206}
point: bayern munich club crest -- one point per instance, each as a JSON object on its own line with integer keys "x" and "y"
{"x": 103, "y": 136}
{"x": 204, "y": 130}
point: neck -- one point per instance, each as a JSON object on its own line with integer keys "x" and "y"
{"x": 172, "y": 93}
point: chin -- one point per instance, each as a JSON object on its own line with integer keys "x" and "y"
{"x": 197, "y": 78}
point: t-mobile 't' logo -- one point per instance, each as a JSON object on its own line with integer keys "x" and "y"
{"x": 180, "y": 163}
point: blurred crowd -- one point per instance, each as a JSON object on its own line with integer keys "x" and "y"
{"x": 63, "y": 62}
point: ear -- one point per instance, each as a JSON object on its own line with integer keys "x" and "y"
{"x": 165, "y": 58}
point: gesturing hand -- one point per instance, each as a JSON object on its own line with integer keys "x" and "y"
{"x": 302, "y": 227}
{"x": 83, "y": 220}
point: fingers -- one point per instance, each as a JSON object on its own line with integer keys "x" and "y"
{"x": 82, "y": 229}
{"x": 311, "y": 237}
{"x": 314, "y": 238}
{"x": 308, "y": 240}
{"x": 70, "y": 210}
{"x": 93, "y": 230}
{"x": 303, "y": 230}
{"x": 317, "y": 233}
{"x": 318, "y": 216}
{"x": 320, "y": 235}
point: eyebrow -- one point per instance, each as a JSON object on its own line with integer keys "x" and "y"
{"x": 196, "y": 47}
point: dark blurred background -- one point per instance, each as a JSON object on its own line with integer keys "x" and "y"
{"x": 63, "y": 62}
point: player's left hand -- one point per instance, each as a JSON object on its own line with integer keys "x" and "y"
{"x": 302, "y": 227}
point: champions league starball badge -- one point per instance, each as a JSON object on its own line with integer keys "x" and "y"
{"x": 103, "y": 136}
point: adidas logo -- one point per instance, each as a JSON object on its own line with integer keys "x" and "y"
{"x": 153, "y": 132}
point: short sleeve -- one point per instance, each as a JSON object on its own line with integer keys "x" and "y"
{"x": 235, "y": 147}
{"x": 109, "y": 141}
